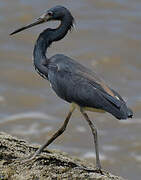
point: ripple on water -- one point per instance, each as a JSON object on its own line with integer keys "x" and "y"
{"x": 132, "y": 121}
{"x": 2, "y": 99}
{"x": 26, "y": 115}
{"x": 81, "y": 129}
{"x": 137, "y": 157}
{"x": 90, "y": 154}
{"x": 33, "y": 129}
{"x": 110, "y": 148}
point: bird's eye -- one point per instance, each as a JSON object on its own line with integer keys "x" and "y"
{"x": 50, "y": 13}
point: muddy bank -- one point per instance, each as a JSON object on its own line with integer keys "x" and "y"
{"x": 49, "y": 165}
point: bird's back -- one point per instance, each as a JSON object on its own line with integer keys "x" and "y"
{"x": 74, "y": 82}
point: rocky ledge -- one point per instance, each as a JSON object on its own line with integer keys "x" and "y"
{"x": 50, "y": 165}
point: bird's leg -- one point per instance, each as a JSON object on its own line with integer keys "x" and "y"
{"x": 94, "y": 132}
{"x": 58, "y": 133}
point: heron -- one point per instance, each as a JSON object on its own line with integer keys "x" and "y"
{"x": 72, "y": 81}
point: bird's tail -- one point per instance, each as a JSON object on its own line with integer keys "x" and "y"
{"x": 122, "y": 112}
{"x": 117, "y": 106}
{"x": 125, "y": 112}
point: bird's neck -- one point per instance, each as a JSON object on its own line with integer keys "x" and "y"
{"x": 44, "y": 40}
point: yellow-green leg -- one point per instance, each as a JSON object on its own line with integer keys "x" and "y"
{"x": 58, "y": 133}
{"x": 94, "y": 132}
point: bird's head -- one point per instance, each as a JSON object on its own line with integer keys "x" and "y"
{"x": 55, "y": 13}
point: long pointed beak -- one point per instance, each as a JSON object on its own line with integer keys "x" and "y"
{"x": 40, "y": 20}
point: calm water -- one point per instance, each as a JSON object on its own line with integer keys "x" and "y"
{"x": 107, "y": 38}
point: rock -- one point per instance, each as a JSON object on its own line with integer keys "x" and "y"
{"x": 50, "y": 165}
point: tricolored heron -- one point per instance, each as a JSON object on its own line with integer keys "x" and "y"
{"x": 72, "y": 81}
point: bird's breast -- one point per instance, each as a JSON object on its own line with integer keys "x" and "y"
{"x": 61, "y": 83}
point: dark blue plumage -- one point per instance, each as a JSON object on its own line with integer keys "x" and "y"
{"x": 73, "y": 82}
{"x": 69, "y": 83}
{"x": 70, "y": 80}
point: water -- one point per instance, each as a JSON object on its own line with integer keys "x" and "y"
{"x": 107, "y": 38}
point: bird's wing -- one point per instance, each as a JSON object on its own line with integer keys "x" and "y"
{"x": 83, "y": 78}
{"x": 89, "y": 90}
{"x": 92, "y": 77}
{"x": 98, "y": 83}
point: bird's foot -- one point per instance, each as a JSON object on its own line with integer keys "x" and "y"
{"x": 99, "y": 170}
{"x": 96, "y": 170}
{"x": 30, "y": 159}
{"x": 25, "y": 160}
